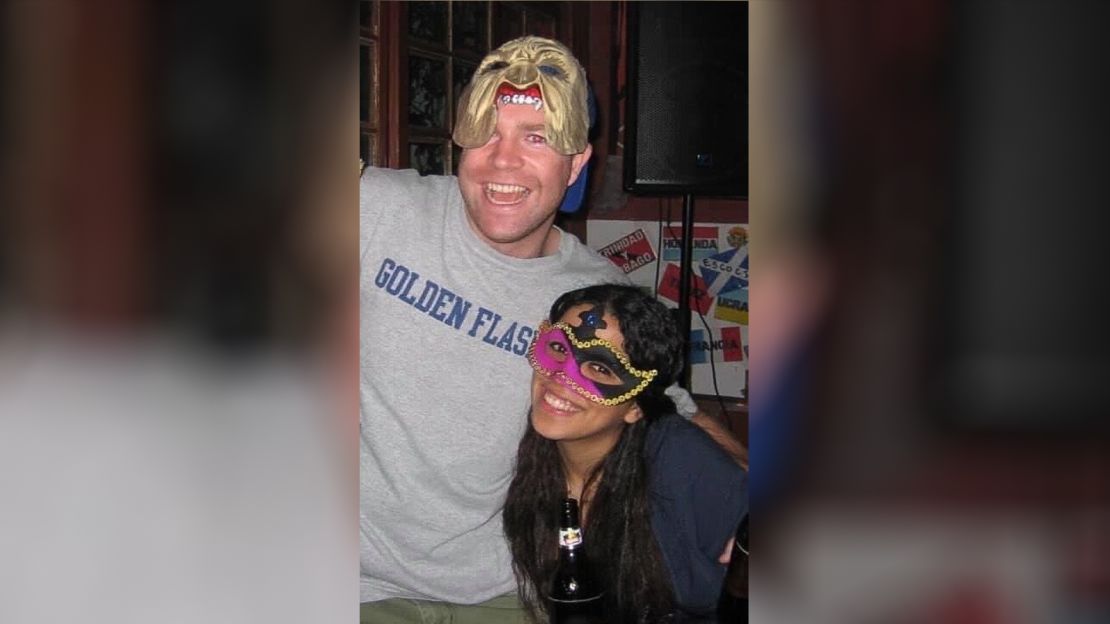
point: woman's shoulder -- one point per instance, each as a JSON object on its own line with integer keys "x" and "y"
{"x": 683, "y": 462}
{"x": 698, "y": 495}
{"x": 672, "y": 439}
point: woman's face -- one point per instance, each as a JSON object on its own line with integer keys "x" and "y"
{"x": 561, "y": 413}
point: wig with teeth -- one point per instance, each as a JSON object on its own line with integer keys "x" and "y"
{"x": 521, "y": 63}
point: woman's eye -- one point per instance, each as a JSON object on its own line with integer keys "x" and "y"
{"x": 557, "y": 350}
{"x": 602, "y": 370}
{"x": 538, "y": 139}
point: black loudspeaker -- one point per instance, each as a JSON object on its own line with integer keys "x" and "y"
{"x": 687, "y": 117}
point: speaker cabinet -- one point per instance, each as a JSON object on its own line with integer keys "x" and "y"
{"x": 687, "y": 117}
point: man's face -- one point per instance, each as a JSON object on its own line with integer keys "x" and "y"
{"x": 513, "y": 185}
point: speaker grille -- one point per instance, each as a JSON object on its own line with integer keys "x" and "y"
{"x": 687, "y": 118}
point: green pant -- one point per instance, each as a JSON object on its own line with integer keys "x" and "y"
{"x": 504, "y": 609}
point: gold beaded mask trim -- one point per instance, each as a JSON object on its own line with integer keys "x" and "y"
{"x": 530, "y": 71}
{"x": 590, "y": 366}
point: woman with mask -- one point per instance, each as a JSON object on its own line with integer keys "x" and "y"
{"x": 659, "y": 499}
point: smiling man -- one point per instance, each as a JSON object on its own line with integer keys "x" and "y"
{"x": 523, "y": 122}
{"x": 456, "y": 275}
{"x": 513, "y": 184}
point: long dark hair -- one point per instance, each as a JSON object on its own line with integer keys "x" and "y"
{"x": 619, "y": 538}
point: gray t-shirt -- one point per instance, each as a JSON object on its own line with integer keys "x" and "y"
{"x": 445, "y": 323}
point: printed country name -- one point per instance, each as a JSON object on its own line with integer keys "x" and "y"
{"x": 714, "y": 264}
{"x": 451, "y": 309}
{"x": 715, "y": 345}
{"x": 622, "y": 244}
{"x": 636, "y": 262}
{"x": 630, "y": 252}
{"x": 674, "y": 243}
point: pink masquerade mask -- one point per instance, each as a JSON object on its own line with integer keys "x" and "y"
{"x": 590, "y": 366}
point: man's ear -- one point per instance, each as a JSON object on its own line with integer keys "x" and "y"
{"x": 577, "y": 162}
{"x": 633, "y": 414}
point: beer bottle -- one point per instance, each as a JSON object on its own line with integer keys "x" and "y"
{"x": 575, "y": 596}
{"x": 733, "y": 605}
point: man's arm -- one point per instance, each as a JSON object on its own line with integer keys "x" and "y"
{"x": 722, "y": 436}
{"x": 688, "y": 408}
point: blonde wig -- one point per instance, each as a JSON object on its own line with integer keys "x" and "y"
{"x": 520, "y": 64}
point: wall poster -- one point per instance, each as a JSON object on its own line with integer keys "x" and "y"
{"x": 719, "y": 289}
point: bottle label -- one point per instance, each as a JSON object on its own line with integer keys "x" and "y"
{"x": 570, "y": 537}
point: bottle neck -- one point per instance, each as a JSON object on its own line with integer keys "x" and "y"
{"x": 570, "y": 532}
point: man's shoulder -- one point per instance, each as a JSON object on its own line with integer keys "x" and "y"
{"x": 377, "y": 178}
{"x": 384, "y": 185}
{"x": 589, "y": 262}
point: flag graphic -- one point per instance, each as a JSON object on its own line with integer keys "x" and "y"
{"x": 669, "y": 285}
{"x": 726, "y": 271}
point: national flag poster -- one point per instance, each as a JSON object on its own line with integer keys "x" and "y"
{"x": 669, "y": 288}
{"x": 630, "y": 251}
{"x": 706, "y": 242}
{"x": 725, "y": 272}
{"x": 649, "y": 253}
{"x": 732, "y": 307}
